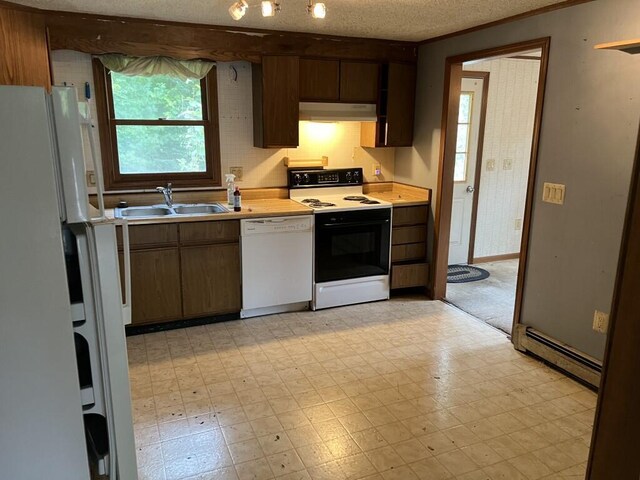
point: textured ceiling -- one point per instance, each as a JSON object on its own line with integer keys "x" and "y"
{"x": 411, "y": 20}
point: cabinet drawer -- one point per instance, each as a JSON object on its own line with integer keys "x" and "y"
{"x": 409, "y": 215}
{"x": 224, "y": 231}
{"x": 147, "y": 236}
{"x": 410, "y": 251}
{"x": 412, "y": 275}
{"x": 402, "y": 235}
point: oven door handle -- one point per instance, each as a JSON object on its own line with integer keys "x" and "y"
{"x": 355, "y": 224}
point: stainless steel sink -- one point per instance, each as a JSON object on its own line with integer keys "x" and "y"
{"x": 143, "y": 212}
{"x": 177, "y": 210}
{"x": 199, "y": 209}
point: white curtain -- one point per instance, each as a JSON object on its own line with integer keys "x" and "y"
{"x": 147, "y": 66}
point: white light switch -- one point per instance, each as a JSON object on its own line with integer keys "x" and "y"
{"x": 553, "y": 193}
{"x": 507, "y": 164}
{"x": 491, "y": 165}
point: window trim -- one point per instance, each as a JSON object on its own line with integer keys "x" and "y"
{"x": 114, "y": 180}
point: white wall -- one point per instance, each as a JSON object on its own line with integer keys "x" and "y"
{"x": 511, "y": 105}
{"x": 262, "y": 167}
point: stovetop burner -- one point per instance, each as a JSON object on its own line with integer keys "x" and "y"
{"x": 355, "y": 198}
{"x": 321, "y": 204}
{"x": 368, "y": 201}
{"x": 310, "y": 200}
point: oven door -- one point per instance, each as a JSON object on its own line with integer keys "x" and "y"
{"x": 352, "y": 244}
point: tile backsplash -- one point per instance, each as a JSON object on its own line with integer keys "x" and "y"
{"x": 339, "y": 141}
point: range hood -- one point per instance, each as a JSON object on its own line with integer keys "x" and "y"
{"x": 338, "y": 112}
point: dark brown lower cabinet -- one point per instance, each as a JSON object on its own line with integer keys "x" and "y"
{"x": 211, "y": 279}
{"x": 409, "y": 266}
{"x": 184, "y": 270}
{"x": 155, "y": 286}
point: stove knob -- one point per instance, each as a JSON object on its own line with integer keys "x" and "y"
{"x": 305, "y": 178}
{"x": 296, "y": 179}
{"x": 356, "y": 175}
{"x": 348, "y": 175}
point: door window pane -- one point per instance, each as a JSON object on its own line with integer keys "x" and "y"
{"x": 463, "y": 137}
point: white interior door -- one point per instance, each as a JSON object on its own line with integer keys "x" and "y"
{"x": 465, "y": 169}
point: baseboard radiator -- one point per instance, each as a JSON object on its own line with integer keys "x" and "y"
{"x": 572, "y": 361}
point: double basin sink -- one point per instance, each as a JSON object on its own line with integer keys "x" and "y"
{"x": 164, "y": 211}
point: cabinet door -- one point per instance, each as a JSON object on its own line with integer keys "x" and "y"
{"x": 155, "y": 285}
{"x": 276, "y": 102}
{"x": 211, "y": 279}
{"x": 400, "y": 104}
{"x": 359, "y": 82}
{"x": 319, "y": 80}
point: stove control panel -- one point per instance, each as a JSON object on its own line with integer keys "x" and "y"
{"x": 337, "y": 177}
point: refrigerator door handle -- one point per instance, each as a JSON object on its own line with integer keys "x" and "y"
{"x": 126, "y": 302}
{"x": 97, "y": 164}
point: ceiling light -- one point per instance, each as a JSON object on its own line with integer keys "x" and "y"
{"x": 238, "y": 9}
{"x": 317, "y": 10}
{"x": 269, "y": 9}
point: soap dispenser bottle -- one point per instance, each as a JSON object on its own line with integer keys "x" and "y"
{"x": 231, "y": 187}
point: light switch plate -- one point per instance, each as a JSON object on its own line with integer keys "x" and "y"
{"x": 507, "y": 164}
{"x": 91, "y": 178}
{"x": 600, "y": 321}
{"x": 237, "y": 171}
{"x": 553, "y": 193}
{"x": 491, "y": 165}
{"x": 518, "y": 224}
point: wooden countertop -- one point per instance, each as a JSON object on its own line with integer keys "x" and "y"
{"x": 400, "y": 199}
{"x": 271, "y": 207}
{"x": 399, "y": 195}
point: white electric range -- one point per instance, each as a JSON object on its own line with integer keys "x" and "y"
{"x": 352, "y": 239}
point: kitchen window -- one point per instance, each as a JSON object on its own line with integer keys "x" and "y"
{"x": 157, "y": 128}
{"x": 464, "y": 134}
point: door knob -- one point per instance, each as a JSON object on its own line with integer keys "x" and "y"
{"x": 470, "y": 189}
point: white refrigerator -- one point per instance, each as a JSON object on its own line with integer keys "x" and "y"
{"x": 65, "y": 403}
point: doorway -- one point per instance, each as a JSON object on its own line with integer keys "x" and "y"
{"x": 491, "y": 119}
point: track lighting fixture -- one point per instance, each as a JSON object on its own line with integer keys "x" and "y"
{"x": 271, "y": 8}
{"x": 238, "y": 9}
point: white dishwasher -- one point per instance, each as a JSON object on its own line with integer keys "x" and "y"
{"x": 277, "y": 264}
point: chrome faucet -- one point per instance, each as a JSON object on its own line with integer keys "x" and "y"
{"x": 167, "y": 192}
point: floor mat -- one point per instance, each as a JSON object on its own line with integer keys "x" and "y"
{"x": 465, "y": 274}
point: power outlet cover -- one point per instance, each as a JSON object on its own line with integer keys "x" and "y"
{"x": 491, "y": 165}
{"x": 507, "y": 164}
{"x": 237, "y": 171}
{"x": 600, "y": 321}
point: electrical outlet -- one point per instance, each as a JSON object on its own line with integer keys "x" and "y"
{"x": 237, "y": 171}
{"x": 518, "y": 224}
{"x": 600, "y": 321}
{"x": 507, "y": 164}
{"x": 491, "y": 165}
{"x": 91, "y": 178}
{"x": 377, "y": 169}
{"x": 553, "y": 193}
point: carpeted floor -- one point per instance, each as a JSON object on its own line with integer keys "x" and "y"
{"x": 492, "y": 299}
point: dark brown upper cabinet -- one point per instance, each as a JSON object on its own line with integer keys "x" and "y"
{"x": 338, "y": 81}
{"x": 359, "y": 82}
{"x": 400, "y": 104}
{"x": 319, "y": 80}
{"x": 276, "y": 101}
{"x": 396, "y": 106}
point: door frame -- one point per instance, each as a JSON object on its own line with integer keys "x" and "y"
{"x": 444, "y": 195}
{"x": 485, "y": 77}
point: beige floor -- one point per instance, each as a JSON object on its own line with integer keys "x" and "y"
{"x": 492, "y": 299}
{"x": 395, "y": 390}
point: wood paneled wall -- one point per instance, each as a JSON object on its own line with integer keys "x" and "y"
{"x": 24, "y": 55}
